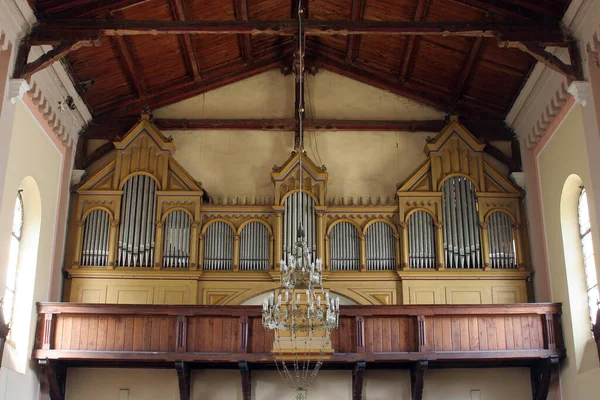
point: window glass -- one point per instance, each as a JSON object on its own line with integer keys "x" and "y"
{"x": 13, "y": 259}
{"x": 588, "y": 255}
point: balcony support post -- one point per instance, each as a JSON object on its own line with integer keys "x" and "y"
{"x": 358, "y": 374}
{"x": 246, "y": 380}
{"x": 417, "y": 379}
{"x": 55, "y": 376}
{"x": 183, "y": 376}
{"x": 541, "y": 374}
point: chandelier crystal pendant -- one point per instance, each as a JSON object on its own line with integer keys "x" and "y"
{"x": 301, "y": 314}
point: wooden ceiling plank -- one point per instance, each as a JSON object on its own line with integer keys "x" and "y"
{"x": 506, "y": 7}
{"x": 526, "y": 31}
{"x": 467, "y": 68}
{"x": 408, "y": 59}
{"x": 358, "y": 9}
{"x": 189, "y": 52}
{"x": 76, "y": 9}
{"x": 241, "y": 12}
{"x": 131, "y": 67}
{"x": 51, "y": 57}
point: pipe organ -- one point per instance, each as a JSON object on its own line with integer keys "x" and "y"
{"x": 344, "y": 247}
{"x": 502, "y": 241}
{"x": 306, "y": 204}
{"x": 137, "y": 229}
{"x": 462, "y": 248}
{"x": 254, "y": 247}
{"x": 421, "y": 240}
{"x": 96, "y": 233}
{"x": 143, "y": 210}
{"x": 381, "y": 255}
{"x": 176, "y": 252}
{"x": 218, "y": 246}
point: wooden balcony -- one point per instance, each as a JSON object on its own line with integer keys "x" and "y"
{"x": 186, "y": 337}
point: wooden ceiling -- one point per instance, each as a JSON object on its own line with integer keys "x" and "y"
{"x": 471, "y": 75}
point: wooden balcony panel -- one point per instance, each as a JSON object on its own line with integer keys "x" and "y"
{"x": 376, "y": 334}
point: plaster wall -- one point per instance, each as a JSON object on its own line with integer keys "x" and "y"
{"x": 238, "y": 163}
{"x": 33, "y": 156}
{"x": 566, "y": 154}
{"x": 459, "y": 384}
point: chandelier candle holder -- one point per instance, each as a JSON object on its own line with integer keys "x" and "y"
{"x": 302, "y": 315}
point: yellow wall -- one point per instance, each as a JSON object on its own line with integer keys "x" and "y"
{"x": 457, "y": 384}
{"x": 32, "y": 154}
{"x": 564, "y": 155}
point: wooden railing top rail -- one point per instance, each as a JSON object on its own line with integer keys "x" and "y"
{"x": 238, "y": 311}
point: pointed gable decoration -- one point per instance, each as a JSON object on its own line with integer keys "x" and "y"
{"x": 144, "y": 149}
{"x": 286, "y": 178}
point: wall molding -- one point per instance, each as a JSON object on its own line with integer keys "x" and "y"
{"x": 546, "y": 92}
{"x": 49, "y": 86}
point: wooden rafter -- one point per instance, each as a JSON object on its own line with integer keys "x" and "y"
{"x": 186, "y": 41}
{"x": 411, "y": 45}
{"x": 358, "y": 8}
{"x": 467, "y": 68}
{"x": 241, "y": 12}
{"x": 131, "y": 67}
{"x": 52, "y": 56}
{"x": 541, "y": 32}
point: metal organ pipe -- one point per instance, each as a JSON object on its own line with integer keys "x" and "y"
{"x": 462, "y": 246}
{"x": 502, "y": 241}
{"x": 137, "y": 228}
{"x": 381, "y": 254}
{"x": 345, "y": 247}
{"x": 218, "y": 247}
{"x": 254, "y": 247}
{"x": 421, "y": 240}
{"x": 291, "y": 222}
{"x": 96, "y": 231}
{"x": 176, "y": 249}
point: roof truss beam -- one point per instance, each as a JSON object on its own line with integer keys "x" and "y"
{"x": 186, "y": 40}
{"x": 546, "y": 33}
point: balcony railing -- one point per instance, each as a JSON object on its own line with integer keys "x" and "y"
{"x": 410, "y": 336}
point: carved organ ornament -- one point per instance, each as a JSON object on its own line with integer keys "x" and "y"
{"x": 142, "y": 210}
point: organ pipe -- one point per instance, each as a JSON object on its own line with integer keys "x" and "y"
{"x": 421, "y": 240}
{"x": 176, "y": 249}
{"x": 345, "y": 247}
{"x": 462, "y": 245}
{"x": 96, "y": 233}
{"x": 502, "y": 241}
{"x": 137, "y": 227}
{"x": 291, "y": 222}
{"x": 218, "y": 247}
{"x": 381, "y": 254}
{"x": 254, "y": 247}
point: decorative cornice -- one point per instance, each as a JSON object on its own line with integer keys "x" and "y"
{"x": 49, "y": 86}
{"x": 546, "y": 92}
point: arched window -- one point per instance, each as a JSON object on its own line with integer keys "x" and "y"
{"x": 13, "y": 260}
{"x": 589, "y": 263}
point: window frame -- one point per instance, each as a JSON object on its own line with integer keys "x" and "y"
{"x": 13, "y": 271}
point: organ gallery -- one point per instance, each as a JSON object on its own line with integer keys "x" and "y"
{"x": 299, "y": 199}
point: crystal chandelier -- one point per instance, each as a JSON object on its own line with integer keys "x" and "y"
{"x": 300, "y": 312}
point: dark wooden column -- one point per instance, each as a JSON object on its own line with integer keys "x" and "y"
{"x": 246, "y": 380}
{"x": 184, "y": 377}
{"x": 55, "y": 376}
{"x": 417, "y": 379}
{"x": 358, "y": 374}
{"x": 541, "y": 375}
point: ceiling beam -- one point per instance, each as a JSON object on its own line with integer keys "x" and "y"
{"x": 51, "y": 57}
{"x": 131, "y": 67}
{"x": 188, "y": 48}
{"x": 356, "y": 14}
{"x": 542, "y": 32}
{"x": 241, "y": 12}
{"x": 409, "y": 52}
{"x": 467, "y": 68}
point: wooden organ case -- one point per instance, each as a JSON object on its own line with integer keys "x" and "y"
{"x": 143, "y": 231}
